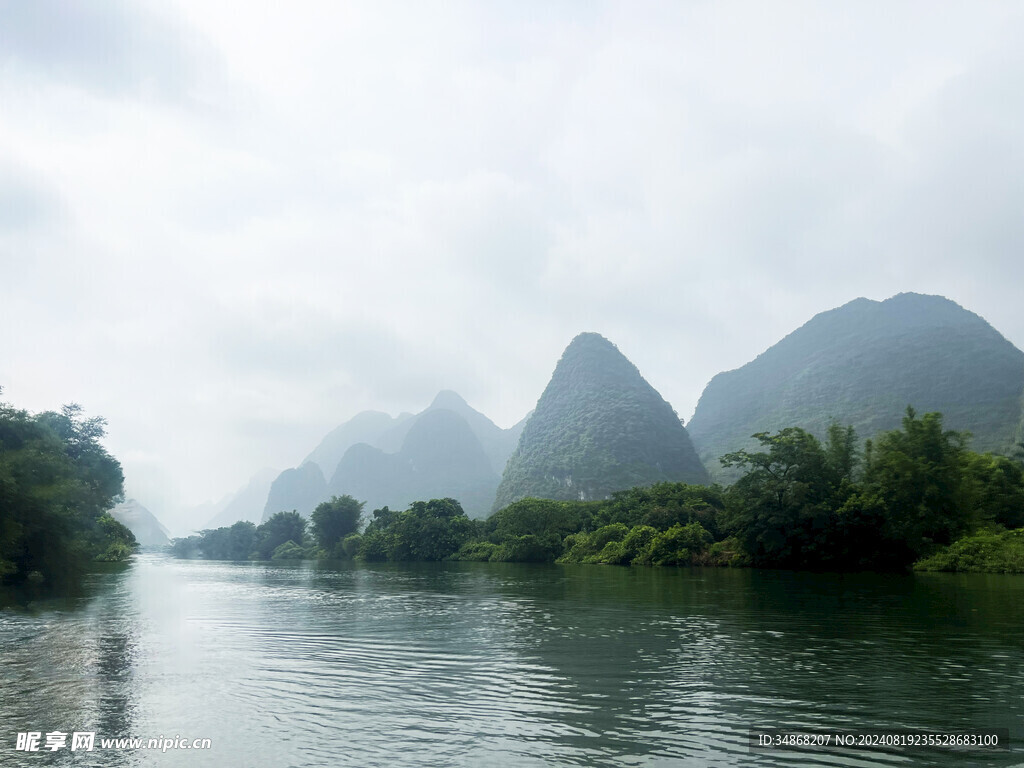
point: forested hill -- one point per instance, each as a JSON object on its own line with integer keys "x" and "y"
{"x": 598, "y": 427}
{"x": 863, "y": 364}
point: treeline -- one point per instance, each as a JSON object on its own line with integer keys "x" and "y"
{"x": 285, "y": 536}
{"x": 800, "y": 503}
{"x": 56, "y": 484}
{"x": 803, "y": 504}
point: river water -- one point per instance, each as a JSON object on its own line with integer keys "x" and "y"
{"x": 481, "y": 664}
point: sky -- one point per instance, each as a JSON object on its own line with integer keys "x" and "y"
{"x": 228, "y": 227}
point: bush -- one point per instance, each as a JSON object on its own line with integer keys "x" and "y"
{"x": 289, "y": 551}
{"x": 351, "y": 545}
{"x": 988, "y": 551}
{"x": 476, "y": 551}
{"x": 528, "y": 549}
{"x": 375, "y": 546}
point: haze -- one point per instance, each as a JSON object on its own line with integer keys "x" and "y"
{"x": 229, "y": 227}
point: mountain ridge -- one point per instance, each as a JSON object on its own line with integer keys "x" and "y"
{"x": 863, "y": 363}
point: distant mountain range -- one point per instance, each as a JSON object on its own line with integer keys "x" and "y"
{"x": 448, "y": 449}
{"x": 440, "y": 457}
{"x": 598, "y": 427}
{"x": 863, "y": 364}
{"x": 247, "y": 503}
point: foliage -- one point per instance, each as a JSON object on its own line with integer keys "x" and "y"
{"x": 56, "y": 484}
{"x": 350, "y": 546}
{"x": 798, "y": 504}
{"x": 428, "y": 530}
{"x": 476, "y": 551}
{"x": 245, "y": 541}
{"x": 802, "y": 505}
{"x": 530, "y": 548}
{"x": 280, "y": 528}
{"x": 987, "y": 551}
{"x": 615, "y": 544}
{"x": 997, "y": 489}
{"x": 663, "y": 505}
{"x": 236, "y": 542}
{"x": 782, "y": 510}
{"x": 289, "y": 551}
{"x": 540, "y": 517}
{"x": 679, "y": 545}
{"x": 335, "y": 519}
{"x": 916, "y": 493}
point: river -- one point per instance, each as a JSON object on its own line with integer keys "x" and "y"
{"x": 480, "y": 664}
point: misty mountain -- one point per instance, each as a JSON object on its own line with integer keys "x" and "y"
{"x": 299, "y": 489}
{"x": 598, "y": 427}
{"x": 863, "y": 364}
{"x": 149, "y": 532}
{"x": 368, "y": 427}
{"x": 302, "y": 489}
{"x": 497, "y": 443}
{"x": 247, "y": 503}
{"x": 441, "y": 456}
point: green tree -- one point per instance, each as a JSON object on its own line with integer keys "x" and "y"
{"x": 282, "y": 527}
{"x": 335, "y": 519}
{"x": 56, "y": 484}
{"x": 663, "y": 505}
{"x": 918, "y": 475}
{"x": 779, "y": 510}
{"x": 996, "y": 489}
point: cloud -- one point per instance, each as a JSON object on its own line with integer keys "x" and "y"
{"x": 231, "y": 227}
{"x": 116, "y": 47}
{"x": 27, "y": 202}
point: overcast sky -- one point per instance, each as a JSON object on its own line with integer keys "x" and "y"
{"x": 229, "y": 227}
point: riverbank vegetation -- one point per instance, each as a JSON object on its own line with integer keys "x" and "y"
{"x": 987, "y": 551}
{"x": 56, "y": 484}
{"x": 909, "y": 495}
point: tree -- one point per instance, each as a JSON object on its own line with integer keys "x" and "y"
{"x": 335, "y": 519}
{"x": 996, "y": 489}
{"x": 779, "y": 509}
{"x": 428, "y": 530}
{"x": 918, "y": 473}
{"x": 241, "y": 541}
{"x": 282, "y": 527}
{"x": 56, "y": 484}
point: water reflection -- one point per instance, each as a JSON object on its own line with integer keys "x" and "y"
{"x": 478, "y": 663}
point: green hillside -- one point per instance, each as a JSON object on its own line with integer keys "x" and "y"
{"x": 599, "y": 427}
{"x": 863, "y": 364}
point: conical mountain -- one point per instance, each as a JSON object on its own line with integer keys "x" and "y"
{"x": 863, "y": 364}
{"x": 440, "y": 457}
{"x": 599, "y": 427}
